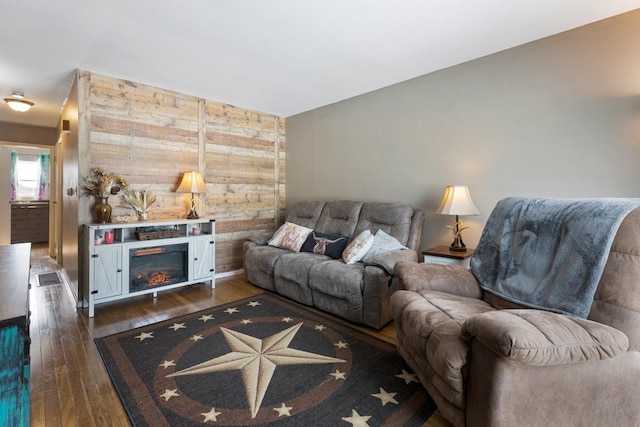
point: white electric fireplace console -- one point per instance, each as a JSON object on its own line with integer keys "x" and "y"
{"x": 124, "y": 260}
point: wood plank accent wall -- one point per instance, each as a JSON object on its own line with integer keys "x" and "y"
{"x": 151, "y": 136}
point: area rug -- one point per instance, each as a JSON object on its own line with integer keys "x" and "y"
{"x": 261, "y": 360}
{"x": 46, "y": 279}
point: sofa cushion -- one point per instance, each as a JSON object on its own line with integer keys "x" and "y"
{"x": 325, "y": 244}
{"x": 259, "y": 264}
{"x": 339, "y": 217}
{"x": 393, "y": 218}
{"x": 337, "y": 288}
{"x": 305, "y": 213}
{"x": 291, "y": 275}
{"x": 358, "y": 247}
{"x": 338, "y": 279}
{"x": 290, "y": 236}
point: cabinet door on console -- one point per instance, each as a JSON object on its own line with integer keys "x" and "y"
{"x": 203, "y": 258}
{"x": 107, "y": 271}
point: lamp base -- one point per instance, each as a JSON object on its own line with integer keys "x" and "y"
{"x": 192, "y": 213}
{"x": 458, "y": 245}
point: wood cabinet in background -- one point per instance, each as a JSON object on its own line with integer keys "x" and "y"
{"x": 30, "y": 222}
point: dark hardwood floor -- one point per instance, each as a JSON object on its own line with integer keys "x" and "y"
{"x": 69, "y": 384}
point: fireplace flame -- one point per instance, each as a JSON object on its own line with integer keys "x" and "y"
{"x": 158, "y": 278}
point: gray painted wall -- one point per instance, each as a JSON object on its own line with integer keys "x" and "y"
{"x": 559, "y": 117}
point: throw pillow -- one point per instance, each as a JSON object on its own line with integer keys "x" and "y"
{"x": 358, "y": 247}
{"x": 325, "y": 244}
{"x": 382, "y": 242}
{"x": 290, "y": 236}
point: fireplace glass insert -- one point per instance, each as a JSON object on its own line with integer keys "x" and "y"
{"x": 157, "y": 266}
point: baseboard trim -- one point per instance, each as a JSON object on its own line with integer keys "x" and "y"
{"x": 229, "y": 274}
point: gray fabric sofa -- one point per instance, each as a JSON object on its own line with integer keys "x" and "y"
{"x": 487, "y": 361}
{"x": 359, "y": 292}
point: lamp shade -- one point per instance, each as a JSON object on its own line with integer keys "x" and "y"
{"x": 192, "y": 183}
{"x": 457, "y": 201}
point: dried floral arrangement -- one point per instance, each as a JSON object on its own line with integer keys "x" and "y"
{"x": 103, "y": 184}
{"x": 140, "y": 201}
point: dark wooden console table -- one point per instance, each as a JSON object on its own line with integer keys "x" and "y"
{"x": 14, "y": 334}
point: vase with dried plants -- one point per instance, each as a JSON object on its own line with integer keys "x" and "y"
{"x": 101, "y": 184}
{"x": 140, "y": 201}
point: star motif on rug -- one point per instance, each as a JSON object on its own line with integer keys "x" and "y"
{"x": 167, "y": 363}
{"x": 320, "y": 328}
{"x": 341, "y": 344}
{"x": 212, "y": 415}
{"x": 168, "y": 394}
{"x": 246, "y": 321}
{"x": 232, "y": 310}
{"x": 254, "y": 303}
{"x": 196, "y": 338}
{"x": 357, "y": 420}
{"x": 144, "y": 335}
{"x": 177, "y": 326}
{"x": 283, "y": 410}
{"x": 338, "y": 375}
{"x": 385, "y": 397}
{"x": 257, "y": 360}
{"x": 287, "y": 319}
{"x": 407, "y": 377}
{"x": 205, "y": 317}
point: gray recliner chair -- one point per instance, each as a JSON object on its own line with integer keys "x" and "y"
{"x": 490, "y": 360}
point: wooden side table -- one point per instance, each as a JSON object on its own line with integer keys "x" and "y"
{"x": 443, "y": 255}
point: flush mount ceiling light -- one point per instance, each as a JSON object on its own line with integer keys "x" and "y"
{"x": 17, "y": 102}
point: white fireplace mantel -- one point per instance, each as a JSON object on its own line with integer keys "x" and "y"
{"x": 106, "y": 272}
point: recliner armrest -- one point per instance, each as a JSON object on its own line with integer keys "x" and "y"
{"x": 541, "y": 338}
{"x": 260, "y": 238}
{"x": 387, "y": 260}
{"x": 452, "y": 279}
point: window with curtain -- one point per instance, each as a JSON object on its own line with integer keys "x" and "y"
{"x": 29, "y": 176}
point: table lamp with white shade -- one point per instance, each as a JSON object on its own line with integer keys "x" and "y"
{"x": 457, "y": 201}
{"x": 192, "y": 182}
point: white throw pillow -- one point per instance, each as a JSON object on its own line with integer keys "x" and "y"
{"x": 382, "y": 242}
{"x": 290, "y": 236}
{"x": 358, "y": 247}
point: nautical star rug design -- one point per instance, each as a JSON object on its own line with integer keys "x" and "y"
{"x": 261, "y": 360}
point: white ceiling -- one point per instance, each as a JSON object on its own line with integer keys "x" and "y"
{"x": 278, "y": 56}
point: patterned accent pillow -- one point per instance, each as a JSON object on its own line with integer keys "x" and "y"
{"x": 290, "y": 236}
{"x": 358, "y": 247}
{"x": 325, "y": 244}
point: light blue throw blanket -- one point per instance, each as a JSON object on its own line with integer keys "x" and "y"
{"x": 548, "y": 253}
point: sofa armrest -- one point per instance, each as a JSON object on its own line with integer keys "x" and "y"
{"x": 261, "y": 238}
{"x": 387, "y": 260}
{"x": 542, "y": 338}
{"x": 453, "y": 279}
